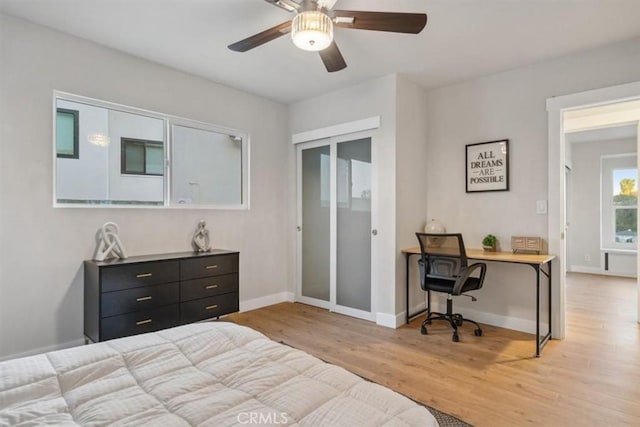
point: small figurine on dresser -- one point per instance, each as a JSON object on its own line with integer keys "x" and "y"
{"x": 200, "y": 240}
{"x": 109, "y": 244}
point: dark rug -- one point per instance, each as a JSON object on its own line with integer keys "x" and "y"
{"x": 444, "y": 420}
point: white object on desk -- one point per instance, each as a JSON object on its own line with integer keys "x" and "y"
{"x": 436, "y": 227}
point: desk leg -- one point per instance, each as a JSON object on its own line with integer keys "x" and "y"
{"x": 406, "y": 257}
{"x": 540, "y": 343}
{"x": 549, "y": 278}
{"x": 537, "y": 267}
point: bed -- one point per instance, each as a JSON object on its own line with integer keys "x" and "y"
{"x": 203, "y": 374}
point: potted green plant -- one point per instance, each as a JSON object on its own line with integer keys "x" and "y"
{"x": 489, "y": 242}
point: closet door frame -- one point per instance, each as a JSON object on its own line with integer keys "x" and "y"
{"x": 332, "y": 305}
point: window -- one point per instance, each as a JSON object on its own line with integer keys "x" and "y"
{"x": 127, "y": 153}
{"x": 619, "y": 215}
{"x": 625, "y": 205}
{"x": 67, "y": 133}
{"x": 142, "y": 157}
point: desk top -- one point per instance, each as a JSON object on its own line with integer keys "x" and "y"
{"x": 481, "y": 254}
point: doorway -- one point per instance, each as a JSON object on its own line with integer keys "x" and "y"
{"x": 557, "y": 108}
{"x": 335, "y": 237}
{"x": 601, "y": 199}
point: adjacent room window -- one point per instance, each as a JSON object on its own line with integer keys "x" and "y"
{"x": 142, "y": 157}
{"x": 67, "y": 134}
{"x": 619, "y": 202}
{"x": 625, "y": 205}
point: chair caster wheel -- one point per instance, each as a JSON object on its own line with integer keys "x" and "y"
{"x": 478, "y": 332}
{"x": 423, "y": 330}
{"x": 455, "y": 338}
{"x": 459, "y": 322}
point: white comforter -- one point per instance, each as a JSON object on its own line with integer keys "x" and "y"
{"x": 205, "y": 374}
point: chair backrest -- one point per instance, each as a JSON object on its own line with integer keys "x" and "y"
{"x": 442, "y": 254}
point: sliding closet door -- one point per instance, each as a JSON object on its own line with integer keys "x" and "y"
{"x": 334, "y": 225}
{"x": 353, "y": 222}
{"x": 314, "y": 234}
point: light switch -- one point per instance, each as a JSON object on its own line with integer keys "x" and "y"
{"x": 541, "y": 207}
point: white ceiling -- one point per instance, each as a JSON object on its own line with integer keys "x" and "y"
{"x": 463, "y": 38}
{"x": 602, "y": 122}
{"x": 603, "y": 134}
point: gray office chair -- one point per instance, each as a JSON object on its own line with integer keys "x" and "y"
{"x": 444, "y": 268}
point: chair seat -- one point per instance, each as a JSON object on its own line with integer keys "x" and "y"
{"x": 439, "y": 284}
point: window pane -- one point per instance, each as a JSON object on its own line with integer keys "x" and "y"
{"x": 625, "y": 192}
{"x": 134, "y": 158}
{"x": 65, "y": 133}
{"x": 155, "y": 159}
{"x": 626, "y": 225}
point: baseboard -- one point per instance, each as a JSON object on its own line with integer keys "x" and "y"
{"x": 507, "y": 322}
{"x": 397, "y": 320}
{"x": 583, "y": 269}
{"x": 256, "y": 303}
{"x": 248, "y": 305}
{"x": 390, "y": 320}
{"x": 597, "y": 270}
{"x": 47, "y": 349}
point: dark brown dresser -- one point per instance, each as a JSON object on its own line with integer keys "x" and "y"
{"x": 147, "y": 293}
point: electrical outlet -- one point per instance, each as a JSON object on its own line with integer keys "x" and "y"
{"x": 587, "y": 257}
{"x": 541, "y": 207}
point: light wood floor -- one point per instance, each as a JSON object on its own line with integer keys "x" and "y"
{"x": 590, "y": 379}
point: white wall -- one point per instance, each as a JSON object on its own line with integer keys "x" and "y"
{"x": 508, "y": 105}
{"x": 583, "y": 236}
{"x": 42, "y": 248}
{"x": 412, "y": 184}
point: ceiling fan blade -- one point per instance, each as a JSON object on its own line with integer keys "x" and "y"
{"x": 261, "y": 38}
{"x": 332, "y": 58}
{"x": 410, "y": 23}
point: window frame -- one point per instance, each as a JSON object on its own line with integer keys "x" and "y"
{"x": 243, "y": 136}
{"x": 608, "y": 165}
{"x": 76, "y": 133}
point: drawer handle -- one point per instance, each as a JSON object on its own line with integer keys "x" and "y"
{"x": 140, "y": 276}
{"x": 143, "y": 322}
{"x": 143, "y": 299}
{"x": 211, "y": 287}
{"x": 210, "y": 267}
{"x": 211, "y": 307}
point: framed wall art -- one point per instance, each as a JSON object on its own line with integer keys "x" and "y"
{"x": 487, "y": 166}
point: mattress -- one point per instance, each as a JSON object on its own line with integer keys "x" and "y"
{"x": 204, "y": 374}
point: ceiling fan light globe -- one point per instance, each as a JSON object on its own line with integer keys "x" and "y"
{"x": 312, "y": 30}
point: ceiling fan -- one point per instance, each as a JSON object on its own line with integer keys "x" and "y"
{"x": 312, "y": 27}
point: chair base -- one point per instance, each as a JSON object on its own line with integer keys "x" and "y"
{"x": 455, "y": 320}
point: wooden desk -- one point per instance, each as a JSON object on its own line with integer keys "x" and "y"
{"x": 532, "y": 260}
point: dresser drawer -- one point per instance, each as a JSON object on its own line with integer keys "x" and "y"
{"x": 208, "y": 286}
{"x": 139, "y": 274}
{"x": 139, "y": 322}
{"x": 206, "y": 308}
{"x": 208, "y": 266}
{"x": 136, "y": 299}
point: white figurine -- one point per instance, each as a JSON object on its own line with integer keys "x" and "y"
{"x": 109, "y": 244}
{"x": 201, "y": 238}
